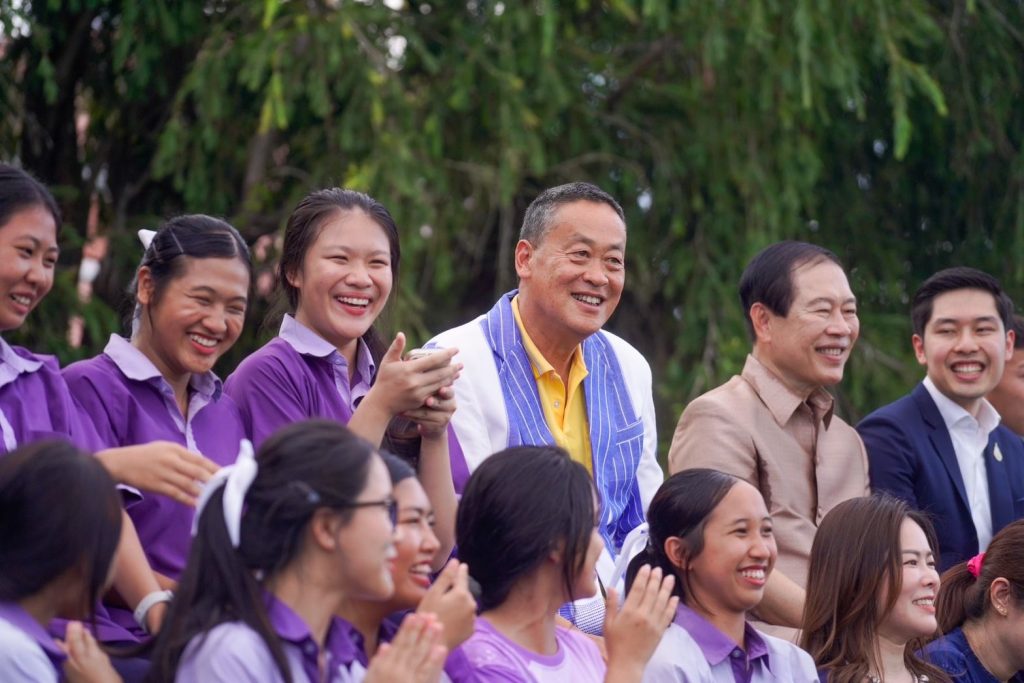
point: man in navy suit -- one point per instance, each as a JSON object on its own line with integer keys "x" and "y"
{"x": 942, "y": 448}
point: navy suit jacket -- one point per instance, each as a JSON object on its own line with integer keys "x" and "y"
{"x": 910, "y": 455}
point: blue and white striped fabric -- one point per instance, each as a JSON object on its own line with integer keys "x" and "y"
{"x": 616, "y": 431}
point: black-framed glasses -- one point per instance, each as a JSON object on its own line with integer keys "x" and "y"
{"x": 389, "y": 504}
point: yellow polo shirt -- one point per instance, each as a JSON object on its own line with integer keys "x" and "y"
{"x": 565, "y": 408}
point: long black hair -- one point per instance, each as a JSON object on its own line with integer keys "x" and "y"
{"x": 59, "y": 510}
{"x": 680, "y": 508}
{"x": 517, "y": 507}
{"x": 302, "y": 468}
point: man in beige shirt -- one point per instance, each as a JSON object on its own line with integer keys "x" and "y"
{"x": 774, "y": 424}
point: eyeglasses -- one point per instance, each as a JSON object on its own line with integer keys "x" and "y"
{"x": 389, "y": 504}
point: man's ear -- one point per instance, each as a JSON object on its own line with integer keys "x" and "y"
{"x": 918, "y": 343}
{"x": 761, "y": 319}
{"x": 524, "y": 254}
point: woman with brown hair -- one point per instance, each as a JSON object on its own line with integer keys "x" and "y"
{"x": 981, "y": 611}
{"x": 871, "y": 594}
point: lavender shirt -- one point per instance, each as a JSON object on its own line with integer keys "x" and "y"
{"x": 232, "y": 652}
{"x": 490, "y": 657}
{"x": 297, "y": 376}
{"x": 131, "y": 403}
{"x": 693, "y": 650}
{"x": 27, "y": 653}
{"x": 35, "y": 402}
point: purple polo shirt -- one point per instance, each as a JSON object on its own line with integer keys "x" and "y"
{"x": 490, "y": 657}
{"x": 233, "y": 652}
{"x": 130, "y": 403}
{"x": 296, "y": 376}
{"x": 27, "y": 652}
{"x": 350, "y": 634}
{"x": 694, "y": 649}
{"x": 35, "y": 402}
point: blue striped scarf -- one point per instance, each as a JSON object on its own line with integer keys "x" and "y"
{"x": 616, "y": 433}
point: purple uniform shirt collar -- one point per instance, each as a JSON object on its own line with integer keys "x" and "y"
{"x": 291, "y": 628}
{"x": 12, "y": 365}
{"x": 309, "y": 343}
{"x": 134, "y": 364}
{"x": 715, "y": 645}
{"x": 13, "y": 613}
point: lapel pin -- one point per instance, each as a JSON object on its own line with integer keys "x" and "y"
{"x": 998, "y": 454}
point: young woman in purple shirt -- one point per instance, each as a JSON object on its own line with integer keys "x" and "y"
{"x": 871, "y": 592}
{"x": 981, "y": 612}
{"x": 527, "y": 529}
{"x": 60, "y": 519}
{"x": 337, "y": 272}
{"x": 190, "y": 293}
{"x": 713, "y": 532}
{"x": 281, "y": 540}
{"x": 374, "y": 622}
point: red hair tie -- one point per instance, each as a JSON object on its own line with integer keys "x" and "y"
{"x": 974, "y": 564}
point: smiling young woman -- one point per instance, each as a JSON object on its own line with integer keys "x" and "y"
{"x": 190, "y": 292}
{"x": 871, "y": 593}
{"x": 713, "y": 532}
{"x": 338, "y": 267}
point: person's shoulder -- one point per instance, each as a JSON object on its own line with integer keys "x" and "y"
{"x": 21, "y": 658}
{"x": 97, "y": 371}
{"x": 276, "y": 357}
{"x": 799, "y": 664}
{"x": 624, "y": 350}
{"x": 231, "y": 651}
{"x": 897, "y": 412}
{"x": 676, "y": 652}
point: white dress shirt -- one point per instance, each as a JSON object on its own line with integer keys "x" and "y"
{"x": 970, "y": 437}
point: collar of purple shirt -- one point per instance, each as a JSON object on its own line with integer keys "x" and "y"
{"x": 289, "y": 626}
{"x": 134, "y": 364}
{"x": 12, "y": 365}
{"x": 13, "y": 613}
{"x": 309, "y": 343}
{"x": 716, "y": 646}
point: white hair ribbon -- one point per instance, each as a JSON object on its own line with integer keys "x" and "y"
{"x": 146, "y": 237}
{"x": 236, "y": 479}
{"x": 630, "y": 547}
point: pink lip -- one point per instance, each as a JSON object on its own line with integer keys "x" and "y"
{"x": 420, "y": 580}
{"x": 203, "y": 350}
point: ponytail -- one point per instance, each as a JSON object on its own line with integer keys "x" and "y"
{"x": 964, "y": 591}
{"x": 649, "y": 557}
{"x": 302, "y": 468}
{"x": 215, "y": 587}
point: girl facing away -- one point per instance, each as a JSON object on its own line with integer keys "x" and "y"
{"x": 713, "y": 533}
{"x": 374, "y": 622}
{"x": 871, "y": 592}
{"x": 527, "y": 528}
{"x": 190, "y": 294}
{"x": 337, "y": 271}
{"x": 282, "y": 540}
{"x": 981, "y": 612}
{"x": 60, "y": 520}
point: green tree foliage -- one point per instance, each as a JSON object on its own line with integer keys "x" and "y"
{"x": 889, "y": 132}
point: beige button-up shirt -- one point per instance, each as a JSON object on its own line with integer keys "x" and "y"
{"x": 803, "y": 458}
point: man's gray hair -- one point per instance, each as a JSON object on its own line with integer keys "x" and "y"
{"x": 541, "y": 212}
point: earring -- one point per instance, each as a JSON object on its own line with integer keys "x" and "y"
{"x": 1001, "y": 610}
